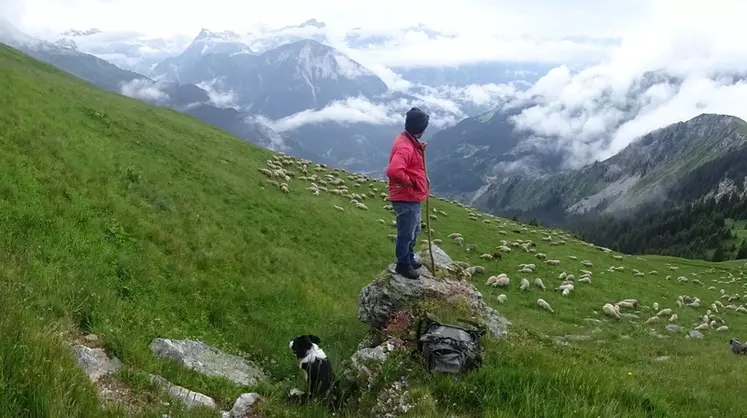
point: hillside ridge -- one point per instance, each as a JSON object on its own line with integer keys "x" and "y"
{"x": 133, "y": 222}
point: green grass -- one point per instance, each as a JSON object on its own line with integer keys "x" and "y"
{"x": 135, "y": 222}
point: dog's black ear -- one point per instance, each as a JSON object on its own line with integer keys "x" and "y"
{"x": 315, "y": 339}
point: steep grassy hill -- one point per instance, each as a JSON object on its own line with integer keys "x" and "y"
{"x": 134, "y": 222}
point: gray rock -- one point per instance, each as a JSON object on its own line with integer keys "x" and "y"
{"x": 443, "y": 261}
{"x": 189, "y": 398}
{"x": 243, "y": 405}
{"x": 673, "y": 328}
{"x": 364, "y": 355}
{"x": 695, "y": 334}
{"x": 207, "y": 360}
{"x": 377, "y": 354}
{"x": 392, "y": 293}
{"x": 94, "y": 362}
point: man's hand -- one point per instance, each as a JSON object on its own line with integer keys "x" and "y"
{"x": 423, "y": 145}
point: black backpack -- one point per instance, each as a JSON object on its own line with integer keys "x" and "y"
{"x": 449, "y": 348}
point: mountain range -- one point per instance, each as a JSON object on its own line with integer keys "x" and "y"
{"x": 289, "y": 90}
{"x": 280, "y": 87}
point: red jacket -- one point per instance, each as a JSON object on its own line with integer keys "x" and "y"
{"x": 406, "y": 171}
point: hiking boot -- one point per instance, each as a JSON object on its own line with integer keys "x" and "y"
{"x": 407, "y": 271}
{"x": 416, "y": 265}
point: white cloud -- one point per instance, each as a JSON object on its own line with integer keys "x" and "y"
{"x": 143, "y": 89}
{"x": 351, "y": 110}
{"x": 221, "y": 99}
{"x": 361, "y": 110}
{"x": 471, "y": 30}
{"x": 668, "y": 70}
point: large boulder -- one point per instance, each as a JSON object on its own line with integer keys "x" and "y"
{"x": 392, "y": 293}
{"x": 208, "y": 360}
{"x": 443, "y": 261}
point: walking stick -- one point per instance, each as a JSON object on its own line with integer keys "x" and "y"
{"x": 428, "y": 218}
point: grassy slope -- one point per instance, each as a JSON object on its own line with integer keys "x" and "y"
{"x": 135, "y": 222}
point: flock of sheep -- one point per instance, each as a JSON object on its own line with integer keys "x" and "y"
{"x": 321, "y": 179}
{"x": 569, "y": 281}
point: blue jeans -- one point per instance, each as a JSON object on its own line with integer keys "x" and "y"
{"x": 408, "y": 227}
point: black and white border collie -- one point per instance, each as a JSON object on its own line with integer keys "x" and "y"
{"x": 314, "y": 362}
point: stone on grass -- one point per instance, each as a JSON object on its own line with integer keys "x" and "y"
{"x": 189, "y": 398}
{"x": 243, "y": 405}
{"x": 393, "y": 293}
{"x": 673, "y": 328}
{"x": 94, "y": 362}
{"x": 208, "y": 360}
{"x": 695, "y": 334}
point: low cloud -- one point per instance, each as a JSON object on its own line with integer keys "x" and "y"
{"x": 222, "y": 99}
{"x": 143, "y": 89}
{"x": 350, "y": 110}
{"x": 672, "y": 68}
{"x": 360, "y": 110}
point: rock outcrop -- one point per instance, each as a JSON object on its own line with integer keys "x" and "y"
{"x": 189, "y": 398}
{"x": 243, "y": 406}
{"x": 392, "y": 293}
{"x": 95, "y": 362}
{"x": 207, "y": 360}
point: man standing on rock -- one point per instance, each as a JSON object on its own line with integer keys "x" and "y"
{"x": 408, "y": 186}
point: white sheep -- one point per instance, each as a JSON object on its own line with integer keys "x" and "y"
{"x": 499, "y": 281}
{"x": 573, "y": 257}
{"x": 617, "y": 257}
{"x": 544, "y": 305}
{"x": 664, "y": 312}
{"x": 502, "y": 298}
{"x": 539, "y": 283}
{"x": 541, "y": 256}
{"x": 566, "y": 286}
{"x": 585, "y": 279}
{"x": 625, "y": 304}
{"x": 702, "y": 327}
{"x": 474, "y": 270}
{"x": 587, "y": 263}
{"x": 723, "y": 328}
{"x": 340, "y": 209}
{"x": 524, "y": 285}
{"x": 553, "y": 262}
{"x": 673, "y": 318}
{"x": 562, "y": 275}
{"x": 487, "y": 256}
{"x": 652, "y": 320}
{"x": 610, "y": 310}
{"x": 655, "y": 306}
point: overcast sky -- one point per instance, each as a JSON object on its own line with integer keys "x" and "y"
{"x": 593, "y": 113}
{"x": 164, "y": 17}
